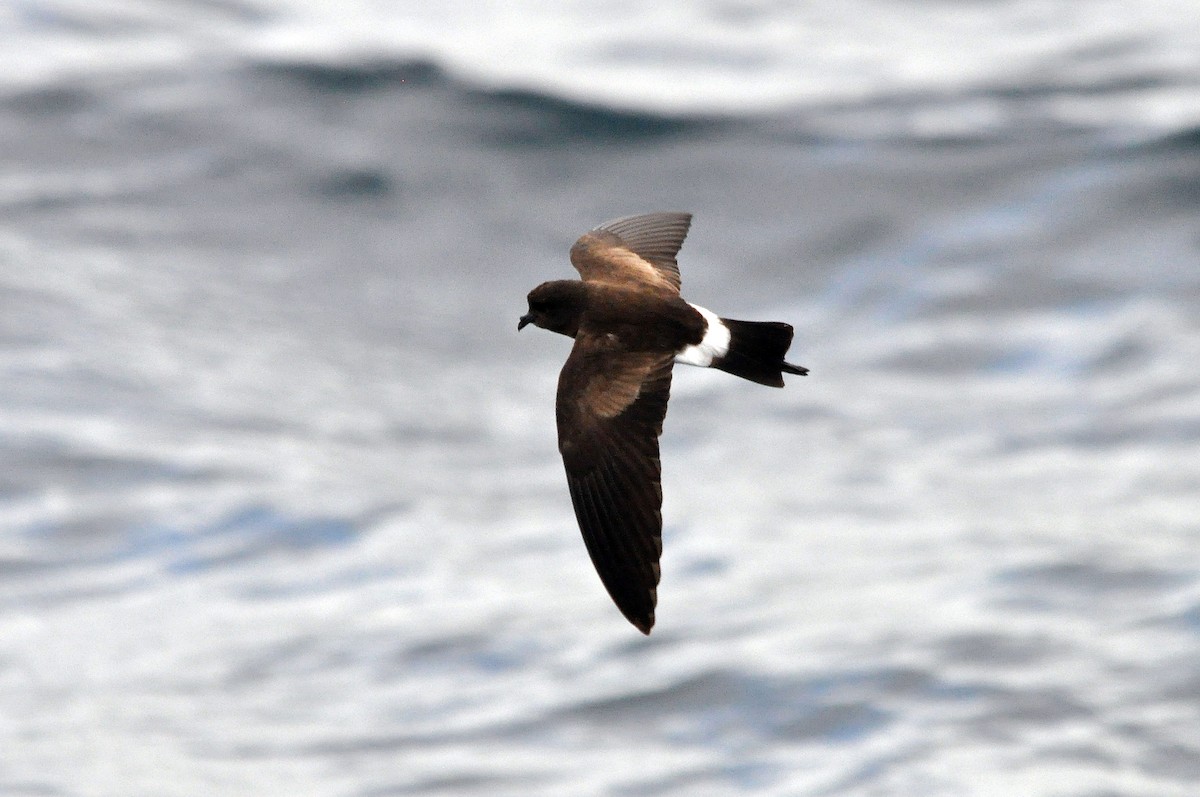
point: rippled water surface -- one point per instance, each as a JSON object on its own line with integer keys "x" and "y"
{"x": 281, "y": 510}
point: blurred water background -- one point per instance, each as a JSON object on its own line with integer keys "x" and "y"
{"x": 281, "y": 511}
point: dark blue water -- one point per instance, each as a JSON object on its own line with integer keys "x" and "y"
{"x": 280, "y": 506}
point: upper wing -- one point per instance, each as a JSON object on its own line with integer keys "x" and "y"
{"x": 633, "y": 248}
{"x": 611, "y": 405}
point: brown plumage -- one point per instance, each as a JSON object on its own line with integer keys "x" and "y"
{"x": 630, "y": 325}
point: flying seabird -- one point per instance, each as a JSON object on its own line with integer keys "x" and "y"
{"x": 630, "y": 327}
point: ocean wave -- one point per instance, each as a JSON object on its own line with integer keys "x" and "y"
{"x": 351, "y": 75}
{"x": 506, "y": 116}
{"x": 1185, "y": 140}
{"x": 532, "y": 118}
{"x": 545, "y": 113}
{"x": 625, "y": 79}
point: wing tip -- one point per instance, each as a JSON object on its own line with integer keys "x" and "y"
{"x": 682, "y": 217}
{"x": 643, "y": 624}
{"x": 642, "y": 616}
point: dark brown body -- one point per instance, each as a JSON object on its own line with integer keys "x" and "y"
{"x": 638, "y": 318}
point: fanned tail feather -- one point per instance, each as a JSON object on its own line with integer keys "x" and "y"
{"x": 757, "y": 350}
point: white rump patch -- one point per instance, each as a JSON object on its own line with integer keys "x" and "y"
{"x": 714, "y": 346}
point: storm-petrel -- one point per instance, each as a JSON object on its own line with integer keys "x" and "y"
{"x": 630, "y": 326}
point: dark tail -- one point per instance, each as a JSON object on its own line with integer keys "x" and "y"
{"x": 756, "y": 351}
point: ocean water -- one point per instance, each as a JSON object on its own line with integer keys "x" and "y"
{"x": 281, "y": 511}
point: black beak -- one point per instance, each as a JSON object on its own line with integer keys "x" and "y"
{"x": 525, "y": 319}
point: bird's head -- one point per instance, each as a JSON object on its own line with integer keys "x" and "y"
{"x": 555, "y": 306}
